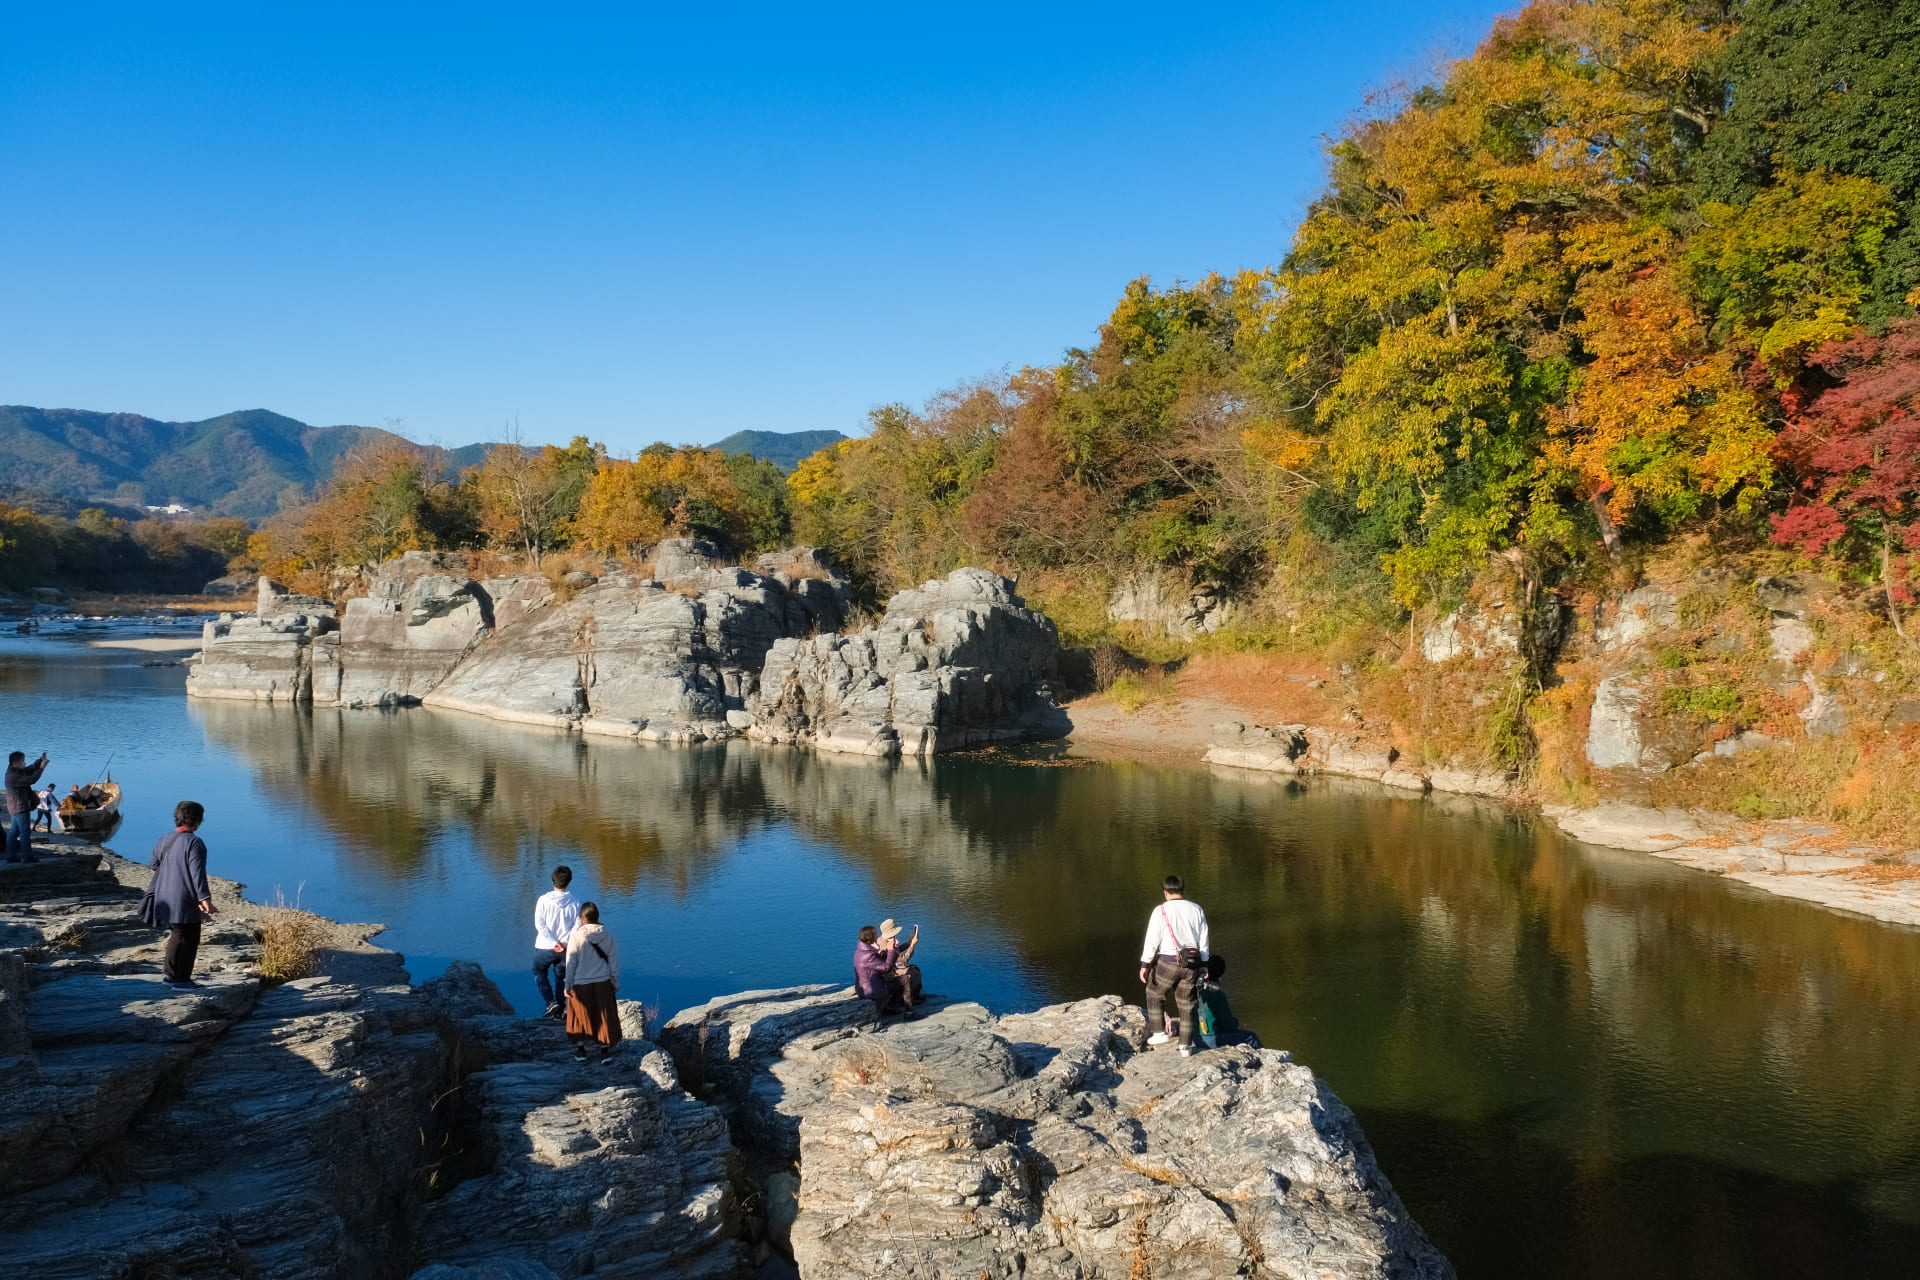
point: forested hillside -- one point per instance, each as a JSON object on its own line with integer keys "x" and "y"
{"x": 248, "y": 464}
{"x": 1625, "y": 296}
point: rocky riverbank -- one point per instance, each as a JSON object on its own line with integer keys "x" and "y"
{"x": 1811, "y": 861}
{"x": 353, "y": 1124}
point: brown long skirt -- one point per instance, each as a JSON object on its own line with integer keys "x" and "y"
{"x": 593, "y": 1013}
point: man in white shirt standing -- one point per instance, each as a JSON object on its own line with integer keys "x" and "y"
{"x": 554, "y": 918}
{"x": 1170, "y": 962}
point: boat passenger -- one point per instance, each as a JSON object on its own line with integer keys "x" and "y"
{"x": 593, "y": 984}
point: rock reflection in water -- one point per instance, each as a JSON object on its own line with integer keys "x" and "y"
{"x": 1572, "y": 1062}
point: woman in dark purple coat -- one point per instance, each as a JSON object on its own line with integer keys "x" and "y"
{"x": 181, "y": 896}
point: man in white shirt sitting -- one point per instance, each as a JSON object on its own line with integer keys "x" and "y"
{"x": 554, "y": 919}
{"x": 1176, "y": 931}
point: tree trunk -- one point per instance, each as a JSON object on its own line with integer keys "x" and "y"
{"x": 1608, "y": 534}
{"x": 1886, "y": 580}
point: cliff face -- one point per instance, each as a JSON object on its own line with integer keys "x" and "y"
{"x": 352, "y": 1125}
{"x": 702, "y": 651}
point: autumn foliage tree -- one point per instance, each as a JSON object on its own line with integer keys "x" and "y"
{"x": 665, "y": 491}
{"x": 1854, "y": 452}
{"x": 527, "y": 497}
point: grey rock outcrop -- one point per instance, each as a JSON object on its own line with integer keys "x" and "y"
{"x": 1252, "y": 746}
{"x": 1470, "y": 632}
{"x": 959, "y": 662}
{"x": 400, "y": 640}
{"x": 629, "y": 657}
{"x": 1296, "y": 748}
{"x": 1639, "y": 613}
{"x": 270, "y": 655}
{"x": 1045, "y": 1145}
{"x": 332, "y": 1126}
{"x": 1166, "y": 603}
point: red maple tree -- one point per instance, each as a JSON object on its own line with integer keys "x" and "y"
{"x": 1854, "y": 450}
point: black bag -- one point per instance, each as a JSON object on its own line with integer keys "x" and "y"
{"x": 1189, "y": 956}
{"x": 146, "y": 899}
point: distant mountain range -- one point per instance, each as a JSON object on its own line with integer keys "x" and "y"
{"x": 782, "y": 448}
{"x": 237, "y": 464}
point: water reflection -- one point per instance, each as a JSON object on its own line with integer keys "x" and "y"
{"x": 1572, "y": 1062}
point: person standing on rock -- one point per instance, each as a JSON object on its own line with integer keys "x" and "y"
{"x": 20, "y": 804}
{"x": 1171, "y": 960}
{"x": 555, "y": 916}
{"x": 179, "y": 896}
{"x": 593, "y": 986}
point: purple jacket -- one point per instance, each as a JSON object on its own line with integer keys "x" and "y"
{"x": 179, "y": 865}
{"x": 870, "y": 966}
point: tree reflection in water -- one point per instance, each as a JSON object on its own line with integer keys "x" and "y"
{"x": 1573, "y": 1062}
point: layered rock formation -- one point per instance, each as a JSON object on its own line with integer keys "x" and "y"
{"x": 957, "y": 663}
{"x": 270, "y": 655}
{"x": 1043, "y": 1145}
{"x": 703, "y": 650}
{"x": 414, "y": 625}
{"x": 338, "y": 1126}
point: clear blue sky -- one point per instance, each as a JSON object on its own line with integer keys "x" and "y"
{"x": 633, "y": 224}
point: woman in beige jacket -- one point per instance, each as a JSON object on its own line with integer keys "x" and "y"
{"x": 593, "y": 984}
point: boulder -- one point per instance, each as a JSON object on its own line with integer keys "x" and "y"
{"x": 1626, "y": 728}
{"x": 398, "y": 642}
{"x": 1047, "y": 1145}
{"x": 1788, "y": 638}
{"x": 1252, "y": 746}
{"x": 959, "y": 662}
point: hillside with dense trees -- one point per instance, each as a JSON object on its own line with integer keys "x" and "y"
{"x": 1626, "y": 295}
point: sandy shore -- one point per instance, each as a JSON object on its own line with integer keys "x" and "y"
{"x": 1793, "y": 858}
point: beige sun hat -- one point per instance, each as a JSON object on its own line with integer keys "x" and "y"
{"x": 888, "y": 929}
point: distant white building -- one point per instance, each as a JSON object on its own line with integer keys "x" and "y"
{"x": 171, "y": 509}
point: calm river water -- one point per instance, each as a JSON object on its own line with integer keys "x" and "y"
{"x": 1572, "y": 1063}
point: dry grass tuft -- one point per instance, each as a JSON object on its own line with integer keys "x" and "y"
{"x": 290, "y": 941}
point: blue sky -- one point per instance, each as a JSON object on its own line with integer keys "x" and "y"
{"x": 637, "y": 223}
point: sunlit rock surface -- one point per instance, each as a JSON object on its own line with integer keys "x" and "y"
{"x": 1046, "y": 1145}
{"x": 959, "y": 662}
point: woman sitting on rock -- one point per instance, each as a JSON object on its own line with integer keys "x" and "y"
{"x": 881, "y": 972}
{"x": 593, "y": 984}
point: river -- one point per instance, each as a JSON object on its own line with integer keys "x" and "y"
{"x": 1571, "y": 1062}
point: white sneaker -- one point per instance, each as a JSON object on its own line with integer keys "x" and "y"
{"x": 1186, "y": 1051}
{"x": 1158, "y": 1038}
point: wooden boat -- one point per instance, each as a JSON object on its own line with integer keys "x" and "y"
{"x": 100, "y": 811}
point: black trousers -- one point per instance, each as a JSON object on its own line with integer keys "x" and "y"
{"x": 1171, "y": 978}
{"x": 183, "y": 944}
